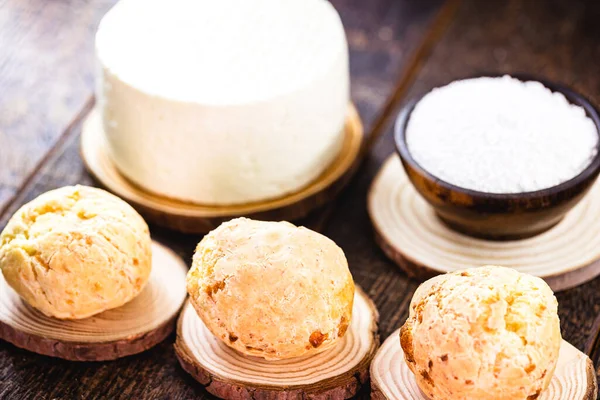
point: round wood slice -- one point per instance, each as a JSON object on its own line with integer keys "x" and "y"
{"x": 574, "y": 378}
{"x": 198, "y": 218}
{"x": 410, "y": 233}
{"x": 336, "y": 373}
{"x": 138, "y": 325}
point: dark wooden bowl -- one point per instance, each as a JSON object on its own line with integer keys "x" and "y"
{"x": 499, "y": 216}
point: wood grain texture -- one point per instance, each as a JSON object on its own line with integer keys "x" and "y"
{"x": 130, "y": 329}
{"x": 335, "y": 374}
{"x": 493, "y": 215}
{"x": 574, "y": 378}
{"x": 197, "y": 218}
{"x": 410, "y": 233}
{"x": 558, "y": 40}
{"x": 382, "y": 35}
{"x": 46, "y": 76}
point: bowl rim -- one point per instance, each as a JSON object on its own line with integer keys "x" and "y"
{"x": 572, "y": 97}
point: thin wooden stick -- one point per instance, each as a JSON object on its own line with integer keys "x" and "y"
{"x": 408, "y": 75}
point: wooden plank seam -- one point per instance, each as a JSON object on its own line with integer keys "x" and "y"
{"x": 54, "y": 151}
{"x": 407, "y": 76}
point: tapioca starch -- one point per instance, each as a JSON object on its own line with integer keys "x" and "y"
{"x": 500, "y": 135}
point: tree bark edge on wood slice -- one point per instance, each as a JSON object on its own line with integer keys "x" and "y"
{"x": 106, "y": 336}
{"x": 409, "y": 233}
{"x": 342, "y": 386}
{"x": 391, "y": 378}
{"x": 197, "y": 218}
{"x": 74, "y": 351}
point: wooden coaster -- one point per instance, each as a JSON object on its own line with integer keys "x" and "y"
{"x": 336, "y": 373}
{"x": 410, "y": 233}
{"x": 197, "y": 218}
{"x": 574, "y": 378}
{"x": 137, "y": 326}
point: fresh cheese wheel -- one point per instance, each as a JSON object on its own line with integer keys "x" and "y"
{"x": 222, "y": 102}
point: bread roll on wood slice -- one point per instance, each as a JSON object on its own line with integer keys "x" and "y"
{"x": 336, "y": 373}
{"x": 488, "y": 333}
{"x": 129, "y": 329}
{"x": 574, "y": 377}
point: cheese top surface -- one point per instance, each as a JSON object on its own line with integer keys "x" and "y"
{"x": 220, "y": 52}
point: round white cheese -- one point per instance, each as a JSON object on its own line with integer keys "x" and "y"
{"x": 222, "y": 102}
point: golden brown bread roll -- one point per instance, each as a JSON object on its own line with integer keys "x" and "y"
{"x": 271, "y": 289}
{"x": 483, "y": 333}
{"x": 76, "y": 251}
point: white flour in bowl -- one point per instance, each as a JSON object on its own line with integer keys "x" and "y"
{"x": 500, "y": 135}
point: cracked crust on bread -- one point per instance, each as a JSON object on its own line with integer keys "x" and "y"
{"x": 271, "y": 289}
{"x": 482, "y": 333}
{"x": 76, "y": 251}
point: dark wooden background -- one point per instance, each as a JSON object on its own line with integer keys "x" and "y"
{"x": 46, "y": 87}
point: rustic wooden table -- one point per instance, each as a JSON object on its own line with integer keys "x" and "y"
{"x": 399, "y": 49}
